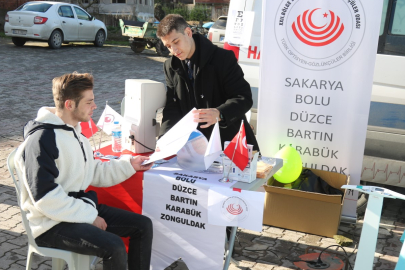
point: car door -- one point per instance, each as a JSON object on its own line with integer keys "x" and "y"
{"x": 86, "y": 25}
{"x": 69, "y": 23}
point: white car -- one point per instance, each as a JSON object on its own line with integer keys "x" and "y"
{"x": 53, "y": 22}
{"x": 217, "y": 31}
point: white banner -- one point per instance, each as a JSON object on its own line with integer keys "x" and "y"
{"x": 177, "y": 200}
{"x": 235, "y": 207}
{"x": 317, "y": 63}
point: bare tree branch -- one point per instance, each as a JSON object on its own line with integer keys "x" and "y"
{"x": 88, "y": 5}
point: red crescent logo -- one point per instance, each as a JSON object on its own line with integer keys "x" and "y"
{"x": 109, "y": 118}
{"x": 309, "y": 33}
{"x": 234, "y": 211}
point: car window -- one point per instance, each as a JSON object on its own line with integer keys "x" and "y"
{"x": 81, "y": 14}
{"x": 220, "y": 23}
{"x": 38, "y": 7}
{"x": 66, "y": 11}
{"x": 384, "y": 16}
{"x": 398, "y": 21}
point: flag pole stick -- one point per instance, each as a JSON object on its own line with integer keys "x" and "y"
{"x": 92, "y": 134}
{"x": 102, "y": 128}
{"x": 226, "y": 179}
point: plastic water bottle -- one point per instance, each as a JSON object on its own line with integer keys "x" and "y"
{"x": 116, "y": 137}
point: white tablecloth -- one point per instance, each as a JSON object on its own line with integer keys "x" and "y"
{"x": 176, "y": 200}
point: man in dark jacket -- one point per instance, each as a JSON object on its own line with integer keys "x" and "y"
{"x": 201, "y": 75}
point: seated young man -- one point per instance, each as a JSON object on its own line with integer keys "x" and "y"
{"x": 56, "y": 165}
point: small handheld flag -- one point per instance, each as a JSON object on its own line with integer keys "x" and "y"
{"x": 237, "y": 149}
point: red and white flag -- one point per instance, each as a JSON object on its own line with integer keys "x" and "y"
{"x": 237, "y": 149}
{"x": 88, "y": 128}
{"x": 107, "y": 119}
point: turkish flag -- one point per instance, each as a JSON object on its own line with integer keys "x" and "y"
{"x": 239, "y": 147}
{"x": 88, "y": 128}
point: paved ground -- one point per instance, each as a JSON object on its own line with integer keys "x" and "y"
{"x": 25, "y": 85}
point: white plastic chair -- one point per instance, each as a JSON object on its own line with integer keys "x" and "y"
{"x": 59, "y": 257}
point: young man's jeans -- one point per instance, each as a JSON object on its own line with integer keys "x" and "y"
{"x": 87, "y": 239}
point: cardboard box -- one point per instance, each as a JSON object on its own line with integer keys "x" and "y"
{"x": 303, "y": 211}
{"x": 248, "y": 175}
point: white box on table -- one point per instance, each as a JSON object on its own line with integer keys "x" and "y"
{"x": 248, "y": 175}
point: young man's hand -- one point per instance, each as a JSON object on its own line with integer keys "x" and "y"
{"x": 137, "y": 161}
{"x": 208, "y": 116}
{"x": 100, "y": 223}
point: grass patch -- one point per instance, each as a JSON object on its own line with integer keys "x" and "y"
{"x": 113, "y": 29}
{"x": 3, "y": 35}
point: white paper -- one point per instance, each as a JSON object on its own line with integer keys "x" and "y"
{"x": 239, "y": 27}
{"x": 107, "y": 119}
{"x": 241, "y": 208}
{"x": 198, "y": 154}
{"x": 191, "y": 155}
{"x": 214, "y": 148}
{"x": 211, "y": 179}
{"x": 170, "y": 143}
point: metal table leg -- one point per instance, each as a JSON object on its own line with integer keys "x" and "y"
{"x": 228, "y": 253}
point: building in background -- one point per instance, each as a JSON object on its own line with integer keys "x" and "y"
{"x": 188, "y": 2}
{"x": 6, "y": 5}
{"x": 12, "y": 4}
{"x": 143, "y": 10}
{"x": 218, "y": 7}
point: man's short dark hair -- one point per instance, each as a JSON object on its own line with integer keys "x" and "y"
{"x": 70, "y": 86}
{"x": 169, "y": 23}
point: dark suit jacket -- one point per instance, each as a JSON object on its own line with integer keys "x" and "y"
{"x": 220, "y": 80}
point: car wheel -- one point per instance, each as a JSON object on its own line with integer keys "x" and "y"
{"x": 138, "y": 47}
{"x": 149, "y": 45}
{"x": 100, "y": 38}
{"x": 18, "y": 41}
{"x": 56, "y": 39}
{"x": 161, "y": 49}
